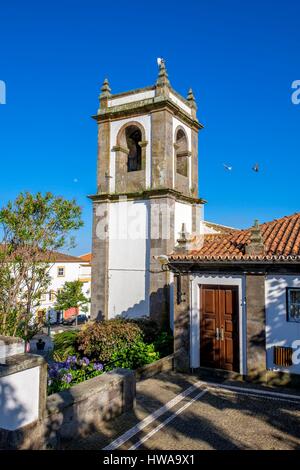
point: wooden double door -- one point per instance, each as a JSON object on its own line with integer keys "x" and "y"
{"x": 219, "y": 327}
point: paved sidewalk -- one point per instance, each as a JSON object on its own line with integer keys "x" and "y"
{"x": 205, "y": 417}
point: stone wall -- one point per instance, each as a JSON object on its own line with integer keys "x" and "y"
{"x": 75, "y": 412}
{"x": 256, "y": 325}
{"x": 10, "y": 346}
{"x": 100, "y": 246}
{"x": 165, "y": 364}
{"x": 23, "y": 387}
{"x": 161, "y": 242}
{"x": 103, "y": 162}
{"x": 182, "y": 323}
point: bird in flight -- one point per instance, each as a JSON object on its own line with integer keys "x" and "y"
{"x": 227, "y": 167}
{"x": 256, "y": 168}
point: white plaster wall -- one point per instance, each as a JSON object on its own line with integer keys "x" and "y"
{"x": 176, "y": 124}
{"x": 128, "y": 259}
{"x": 280, "y": 332}
{"x": 206, "y": 230}
{"x": 19, "y": 398}
{"x": 195, "y": 282}
{"x": 131, "y": 98}
{"x": 180, "y": 103}
{"x": 183, "y": 214}
{"x": 115, "y": 126}
{"x": 73, "y": 272}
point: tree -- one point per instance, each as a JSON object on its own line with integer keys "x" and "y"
{"x": 34, "y": 227}
{"x": 71, "y": 296}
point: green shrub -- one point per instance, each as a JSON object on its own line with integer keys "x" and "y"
{"x": 149, "y": 328}
{"x": 164, "y": 343}
{"x": 136, "y": 355}
{"x": 152, "y": 333}
{"x": 99, "y": 340}
{"x": 64, "y": 345}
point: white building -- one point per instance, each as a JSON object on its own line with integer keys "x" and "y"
{"x": 239, "y": 301}
{"x": 65, "y": 268}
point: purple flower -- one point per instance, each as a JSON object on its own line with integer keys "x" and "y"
{"x": 65, "y": 365}
{"x": 53, "y": 372}
{"x": 59, "y": 365}
{"x": 67, "y": 378}
{"x": 71, "y": 360}
{"x": 98, "y": 366}
{"x": 84, "y": 361}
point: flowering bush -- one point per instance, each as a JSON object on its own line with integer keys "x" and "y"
{"x": 63, "y": 375}
{"x": 99, "y": 340}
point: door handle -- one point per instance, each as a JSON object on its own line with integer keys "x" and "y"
{"x": 222, "y": 334}
{"x": 217, "y": 333}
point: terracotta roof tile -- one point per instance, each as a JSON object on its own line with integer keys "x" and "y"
{"x": 87, "y": 257}
{"x": 56, "y": 257}
{"x": 64, "y": 258}
{"x": 281, "y": 239}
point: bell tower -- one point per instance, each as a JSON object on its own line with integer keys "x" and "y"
{"x": 147, "y": 187}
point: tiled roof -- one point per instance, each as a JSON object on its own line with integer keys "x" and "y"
{"x": 57, "y": 257}
{"x": 87, "y": 257}
{"x": 281, "y": 240}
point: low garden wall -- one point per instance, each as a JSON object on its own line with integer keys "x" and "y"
{"x": 166, "y": 364}
{"x": 31, "y": 420}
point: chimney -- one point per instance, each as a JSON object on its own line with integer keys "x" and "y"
{"x": 256, "y": 246}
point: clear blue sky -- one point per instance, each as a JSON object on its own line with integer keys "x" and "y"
{"x": 240, "y": 58}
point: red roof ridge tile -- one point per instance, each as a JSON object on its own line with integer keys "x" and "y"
{"x": 281, "y": 239}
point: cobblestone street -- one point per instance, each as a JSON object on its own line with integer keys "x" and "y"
{"x": 175, "y": 411}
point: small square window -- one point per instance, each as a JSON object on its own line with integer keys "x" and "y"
{"x": 60, "y": 271}
{"x": 293, "y": 304}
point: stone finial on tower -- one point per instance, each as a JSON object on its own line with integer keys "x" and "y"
{"x": 192, "y": 102}
{"x": 162, "y": 82}
{"x": 256, "y": 246}
{"x": 184, "y": 240}
{"x": 105, "y": 94}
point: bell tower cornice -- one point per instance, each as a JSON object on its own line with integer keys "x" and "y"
{"x": 144, "y": 107}
{"x": 160, "y": 96}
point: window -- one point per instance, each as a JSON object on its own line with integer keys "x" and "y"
{"x": 60, "y": 271}
{"x": 293, "y": 304}
{"x": 133, "y": 139}
{"x": 43, "y": 297}
{"x": 181, "y": 148}
{"x": 52, "y": 296}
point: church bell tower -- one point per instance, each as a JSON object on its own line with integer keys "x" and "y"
{"x": 147, "y": 187}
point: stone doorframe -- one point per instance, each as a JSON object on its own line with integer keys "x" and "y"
{"x": 187, "y": 318}
{"x": 224, "y": 280}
